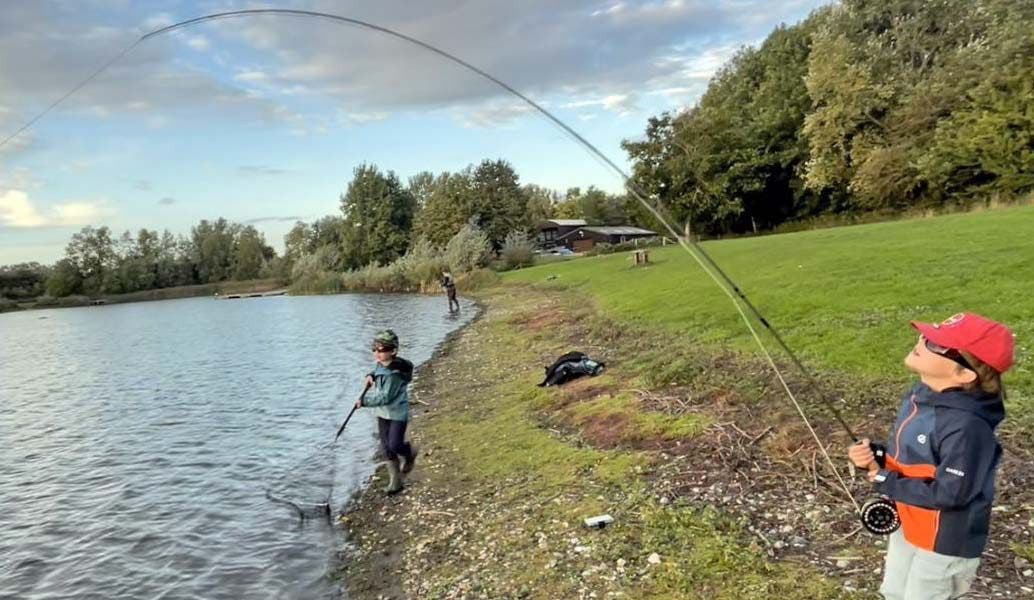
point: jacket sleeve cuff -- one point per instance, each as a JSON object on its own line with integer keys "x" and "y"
{"x": 883, "y": 480}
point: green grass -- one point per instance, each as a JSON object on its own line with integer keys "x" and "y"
{"x": 1025, "y": 551}
{"x": 705, "y": 559}
{"x": 841, "y": 298}
{"x": 537, "y": 483}
{"x": 640, "y": 423}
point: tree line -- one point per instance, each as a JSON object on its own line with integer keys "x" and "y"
{"x": 98, "y": 262}
{"x": 865, "y": 106}
{"x": 380, "y": 220}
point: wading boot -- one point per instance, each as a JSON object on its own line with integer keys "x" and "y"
{"x": 409, "y": 461}
{"x": 394, "y": 478}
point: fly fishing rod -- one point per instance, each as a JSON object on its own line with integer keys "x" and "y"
{"x": 705, "y": 262}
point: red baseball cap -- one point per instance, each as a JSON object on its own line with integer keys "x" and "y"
{"x": 988, "y": 340}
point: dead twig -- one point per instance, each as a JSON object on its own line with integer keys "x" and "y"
{"x": 760, "y": 435}
{"x": 852, "y": 533}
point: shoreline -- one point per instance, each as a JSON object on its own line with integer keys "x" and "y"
{"x": 375, "y": 577}
{"x": 221, "y": 289}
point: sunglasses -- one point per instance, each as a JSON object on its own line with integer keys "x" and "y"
{"x": 949, "y": 353}
{"x": 382, "y": 349}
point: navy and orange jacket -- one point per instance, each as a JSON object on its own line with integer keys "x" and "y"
{"x": 940, "y": 468}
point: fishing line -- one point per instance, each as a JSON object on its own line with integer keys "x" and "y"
{"x": 703, "y": 260}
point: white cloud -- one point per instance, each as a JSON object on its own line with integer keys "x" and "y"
{"x": 156, "y": 122}
{"x": 251, "y": 76}
{"x": 538, "y": 46}
{"x": 76, "y": 213}
{"x": 17, "y": 211}
{"x": 198, "y": 42}
{"x": 654, "y": 12}
{"x": 494, "y": 114}
{"x": 622, "y": 104}
{"x": 48, "y": 47}
{"x": 157, "y": 21}
{"x": 361, "y": 118}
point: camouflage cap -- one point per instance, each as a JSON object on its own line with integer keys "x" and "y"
{"x": 386, "y": 337}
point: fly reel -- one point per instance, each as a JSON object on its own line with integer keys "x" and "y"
{"x": 880, "y": 516}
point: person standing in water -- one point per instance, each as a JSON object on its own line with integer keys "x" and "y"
{"x": 450, "y": 291}
{"x": 388, "y": 393}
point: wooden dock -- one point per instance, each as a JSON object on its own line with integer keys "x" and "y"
{"x": 251, "y": 295}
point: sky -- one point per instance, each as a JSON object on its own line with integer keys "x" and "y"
{"x": 263, "y": 119}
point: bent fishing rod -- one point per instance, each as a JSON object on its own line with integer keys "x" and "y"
{"x": 706, "y": 263}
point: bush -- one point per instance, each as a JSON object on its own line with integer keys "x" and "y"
{"x": 417, "y": 270}
{"x": 469, "y": 249}
{"x": 320, "y": 282}
{"x": 518, "y": 250}
{"x": 422, "y": 266}
{"x": 476, "y": 280}
{"x": 324, "y": 259}
{"x": 388, "y": 278}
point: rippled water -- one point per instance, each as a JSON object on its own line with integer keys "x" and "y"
{"x": 137, "y": 440}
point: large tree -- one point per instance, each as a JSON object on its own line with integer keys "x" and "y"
{"x": 252, "y": 253}
{"x": 539, "y": 202}
{"x": 498, "y": 204}
{"x": 214, "y": 246}
{"x": 91, "y": 252}
{"x": 378, "y": 217}
{"x": 449, "y": 206}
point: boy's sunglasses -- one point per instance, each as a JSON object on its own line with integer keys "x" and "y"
{"x": 382, "y": 349}
{"x": 949, "y": 353}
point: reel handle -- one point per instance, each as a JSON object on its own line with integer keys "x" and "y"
{"x": 879, "y": 451}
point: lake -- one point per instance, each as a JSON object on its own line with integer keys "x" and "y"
{"x": 137, "y": 441}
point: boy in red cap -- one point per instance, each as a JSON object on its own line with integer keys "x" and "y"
{"x": 941, "y": 458}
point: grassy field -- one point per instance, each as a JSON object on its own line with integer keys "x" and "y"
{"x": 716, "y": 488}
{"x": 495, "y": 507}
{"x": 841, "y": 298}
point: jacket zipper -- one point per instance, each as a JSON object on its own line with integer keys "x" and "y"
{"x": 897, "y": 437}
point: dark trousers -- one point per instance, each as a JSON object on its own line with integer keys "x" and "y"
{"x": 393, "y": 439}
{"x": 451, "y": 293}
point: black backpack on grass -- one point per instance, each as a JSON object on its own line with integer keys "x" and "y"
{"x": 569, "y": 367}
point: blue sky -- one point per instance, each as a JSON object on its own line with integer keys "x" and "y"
{"x": 263, "y": 119}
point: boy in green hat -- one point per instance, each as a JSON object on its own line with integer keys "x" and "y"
{"x": 387, "y": 392}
